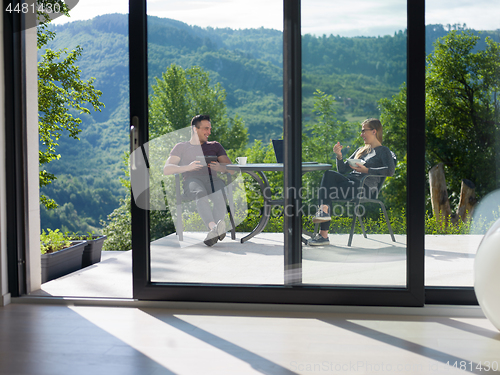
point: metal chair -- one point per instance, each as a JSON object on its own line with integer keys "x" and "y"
{"x": 180, "y": 197}
{"x": 357, "y": 202}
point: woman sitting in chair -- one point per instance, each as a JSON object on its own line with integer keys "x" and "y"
{"x": 375, "y": 159}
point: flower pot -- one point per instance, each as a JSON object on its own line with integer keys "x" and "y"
{"x": 62, "y": 262}
{"x": 92, "y": 252}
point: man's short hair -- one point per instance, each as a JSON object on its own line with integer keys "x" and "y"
{"x": 198, "y": 119}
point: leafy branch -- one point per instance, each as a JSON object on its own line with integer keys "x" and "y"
{"x": 60, "y": 89}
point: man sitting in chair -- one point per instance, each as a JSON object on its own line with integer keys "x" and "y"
{"x": 200, "y": 178}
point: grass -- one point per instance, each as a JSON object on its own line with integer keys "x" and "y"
{"x": 374, "y": 225}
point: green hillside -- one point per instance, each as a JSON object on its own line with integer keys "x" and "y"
{"x": 248, "y": 63}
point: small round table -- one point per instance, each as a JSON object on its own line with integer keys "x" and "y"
{"x": 257, "y": 173}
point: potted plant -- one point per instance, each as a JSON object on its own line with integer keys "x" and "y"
{"x": 93, "y": 249}
{"x": 60, "y": 255}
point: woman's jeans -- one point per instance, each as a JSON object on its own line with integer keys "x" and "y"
{"x": 335, "y": 186}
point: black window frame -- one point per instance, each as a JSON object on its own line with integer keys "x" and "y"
{"x": 415, "y": 293}
{"x": 14, "y": 55}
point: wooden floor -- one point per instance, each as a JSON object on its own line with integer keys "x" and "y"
{"x": 127, "y": 337}
{"x": 42, "y": 339}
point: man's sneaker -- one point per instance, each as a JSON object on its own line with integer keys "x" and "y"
{"x": 318, "y": 240}
{"x": 212, "y": 237}
{"x": 321, "y": 217}
{"x": 221, "y": 229}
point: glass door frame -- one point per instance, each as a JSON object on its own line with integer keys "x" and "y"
{"x": 291, "y": 292}
{"x": 17, "y": 214}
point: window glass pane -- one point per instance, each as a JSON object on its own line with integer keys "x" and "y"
{"x": 221, "y": 59}
{"x": 462, "y": 150}
{"x": 354, "y": 69}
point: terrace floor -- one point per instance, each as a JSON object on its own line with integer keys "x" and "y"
{"x": 374, "y": 261}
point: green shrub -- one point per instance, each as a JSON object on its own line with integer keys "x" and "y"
{"x": 118, "y": 229}
{"x": 53, "y": 240}
{"x": 374, "y": 225}
{"x": 81, "y": 237}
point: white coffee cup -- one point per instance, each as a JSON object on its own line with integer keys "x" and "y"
{"x": 241, "y": 160}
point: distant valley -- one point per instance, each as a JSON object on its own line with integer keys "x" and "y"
{"x": 248, "y": 64}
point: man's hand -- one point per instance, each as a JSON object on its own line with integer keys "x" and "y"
{"x": 194, "y": 166}
{"x": 223, "y": 160}
{"x": 172, "y": 166}
{"x": 217, "y": 167}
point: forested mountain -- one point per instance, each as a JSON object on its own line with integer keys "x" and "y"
{"x": 248, "y": 63}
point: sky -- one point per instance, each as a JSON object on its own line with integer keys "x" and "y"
{"x": 337, "y": 17}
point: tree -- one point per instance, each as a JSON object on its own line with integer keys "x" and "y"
{"x": 393, "y": 118}
{"x": 319, "y": 136}
{"x": 462, "y": 114}
{"x": 61, "y": 91}
{"x": 182, "y": 94}
{"x": 462, "y": 110}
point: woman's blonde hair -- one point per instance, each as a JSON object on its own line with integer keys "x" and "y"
{"x": 374, "y": 124}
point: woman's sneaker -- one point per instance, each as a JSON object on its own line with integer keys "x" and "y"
{"x": 321, "y": 217}
{"x": 318, "y": 240}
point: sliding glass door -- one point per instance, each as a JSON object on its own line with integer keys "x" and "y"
{"x": 354, "y": 61}
{"x": 226, "y": 233}
{"x": 216, "y": 62}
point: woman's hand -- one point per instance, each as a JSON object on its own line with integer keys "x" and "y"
{"x": 360, "y": 168}
{"x": 337, "y": 149}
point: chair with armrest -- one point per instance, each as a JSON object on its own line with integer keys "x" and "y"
{"x": 180, "y": 197}
{"x": 357, "y": 202}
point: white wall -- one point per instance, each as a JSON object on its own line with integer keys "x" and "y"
{"x": 33, "y": 267}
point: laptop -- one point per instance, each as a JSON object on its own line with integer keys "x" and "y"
{"x": 278, "y": 150}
